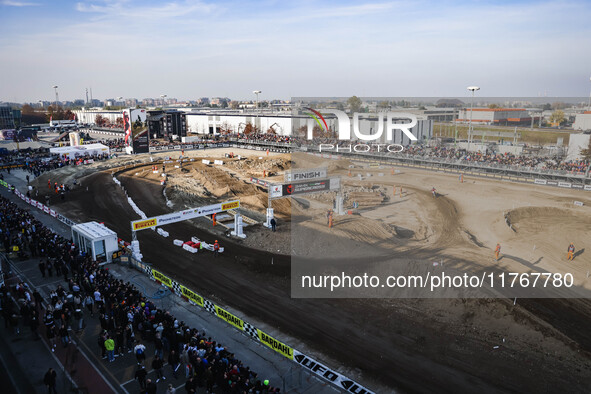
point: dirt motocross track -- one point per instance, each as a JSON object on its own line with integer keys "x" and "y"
{"x": 410, "y": 345}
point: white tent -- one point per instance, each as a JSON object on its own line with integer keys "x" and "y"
{"x": 80, "y": 151}
{"x": 95, "y": 239}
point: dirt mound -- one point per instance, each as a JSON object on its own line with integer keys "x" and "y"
{"x": 364, "y": 196}
{"x": 255, "y": 166}
{"x": 537, "y": 219}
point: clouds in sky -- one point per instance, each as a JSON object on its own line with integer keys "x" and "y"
{"x": 189, "y": 49}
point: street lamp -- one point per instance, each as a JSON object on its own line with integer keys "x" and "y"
{"x": 257, "y": 92}
{"x": 119, "y": 99}
{"x": 163, "y": 96}
{"x": 472, "y": 89}
{"x": 56, "y": 96}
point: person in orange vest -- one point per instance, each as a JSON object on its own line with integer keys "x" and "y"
{"x": 497, "y": 251}
{"x": 400, "y": 191}
{"x": 570, "y": 253}
{"x": 213, "y": 219}
{"x": 264, "y": 173}
{"x": 267, "y": 152}
{"x": 330, "y": 214}
{"x": 49, "y": 184}
{"x": 216, "y": 248}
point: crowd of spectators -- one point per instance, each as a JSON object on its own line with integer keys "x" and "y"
{"x": 496, "y": 159}
{"x": 447, "y": 153}
{"x": 127, "y": 317}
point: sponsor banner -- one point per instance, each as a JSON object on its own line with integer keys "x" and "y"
{"x": 3, "y": 184}
{"x": 184, "y": 215}
{"x": 230, "y": 205}
{"x": 45, "y": 209}
{"x": 170, "y": 147}
{"x": 258, "y": 181}
{"x": 169, "y": 218}
{"x": 274, "y": 344}
{"x": 552, "y": 183}
{"x": 587, "y": 187}
{"x": 27, "y": 200}
{"x": 229, "y": 318}
{"x": 39, "y": 205}
{"x": 177, "y": 147}
{"x": 141, "y": 142}
{"x": 191, "y": 296}
{"x": 332, "y": 376}
{"x": 160, "y": 277}
{"x": 306, "y": 187}
{"x": 11, "y": 166}
{"x": 578, "y": 203}
{"x": 305, "y": 174}
{"x": 218, "y": 162}
{"x": 564, "y": 184}
{"x": 53, "y": 213}
{"x": 205, "y": 161}
{"x": 577, "y": 186}
{"x": 540, "y": 181}
{"x": 143, "y": 224}
{"x": 275, "y": 191}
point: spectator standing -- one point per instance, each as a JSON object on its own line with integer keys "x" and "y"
{"x": 50, "y": 380}
{"x": 140, "y": 376}
{"x": 157, "y": 365}
{"x": 110, "y": 347}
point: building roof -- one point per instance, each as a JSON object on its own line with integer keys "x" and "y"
{"x": 495, "y": 109}
{"x": 80, "y": 148}
{"x": 94, "y": 230}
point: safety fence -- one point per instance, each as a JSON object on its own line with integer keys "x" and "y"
{"x": 39, "y": 205}
{"x": 251, "y": 331}
{"x": 314, "y": 366}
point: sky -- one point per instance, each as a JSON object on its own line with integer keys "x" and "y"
{"x": 189, "y": 49}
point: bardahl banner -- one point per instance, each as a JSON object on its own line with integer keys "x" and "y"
{"x": 274, "y": 344}
{"x": 159, "y": 276}
{"x": 191, "y": 296}
{"x": 229, "y": 318}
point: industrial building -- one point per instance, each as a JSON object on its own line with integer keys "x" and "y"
{"x": 583, "y": 121}
{"x": 214, "y": 122}
{"x": 495, "y": 116}
{"x": 88, "y": 116}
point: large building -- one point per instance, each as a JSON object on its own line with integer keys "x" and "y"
{"x": 495, "y": 116}
{"x": 583, "y": 121}
{"x": 88, "y": 116}
{"x": 167, "y": 124}
{"x": 9, "y": 118}
{"x": 214, "y": 122}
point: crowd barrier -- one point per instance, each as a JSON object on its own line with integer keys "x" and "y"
{"x": 39, "y": 205}
{"x": 251, "y": 331}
